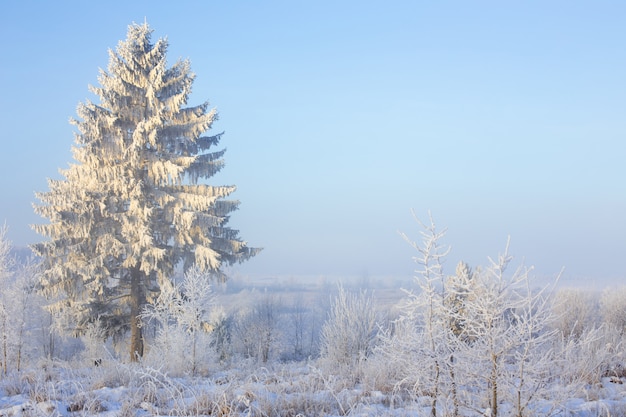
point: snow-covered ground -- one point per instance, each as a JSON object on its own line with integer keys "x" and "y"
{"x": 297, "y": 389}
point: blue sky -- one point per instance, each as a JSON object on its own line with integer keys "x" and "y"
{"x": 501, "y": 118}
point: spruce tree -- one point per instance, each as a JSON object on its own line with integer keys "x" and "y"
{"x": 135, "y": 206}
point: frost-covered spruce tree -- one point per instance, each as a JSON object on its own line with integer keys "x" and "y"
{"x": 134, "y": 206}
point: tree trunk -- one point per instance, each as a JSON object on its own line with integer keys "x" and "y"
{"x": 494, "y": 385}
{"x": 455, "y": 398}
{"x": 137, "y": 301}
{"x": 433, "y": 409}
{"x": 4, "y": 345}
{"x": 19, "y": 348}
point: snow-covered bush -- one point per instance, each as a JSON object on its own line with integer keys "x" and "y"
{"x": 590, "y": 335}
{"x": 613, "y": 309}
{"x": 575, "y": 311}
{"x": 94, "y": 340}
{"x": 349, "y": 333}
{"x": 583, "y": 360}
{"x": 184, "y": 317}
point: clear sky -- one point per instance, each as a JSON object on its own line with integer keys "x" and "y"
{"x": 502, "y": 118}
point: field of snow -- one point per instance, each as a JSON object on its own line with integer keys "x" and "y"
{"x": 297, "y": 389}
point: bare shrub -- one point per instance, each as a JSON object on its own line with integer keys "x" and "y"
{"x": 256, "y": 332}
{"x": 86, "y": 403}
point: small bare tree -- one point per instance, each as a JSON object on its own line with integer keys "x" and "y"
{"x": 20, "y": 306}
{"x": 299, "y": 320}
{"x": 256, "y": 331}
{"x": 424, "y": 309}
{"x": 473, "y": 339}
{"x": 5, "y": 277}
{"x": 28, "y": 314}
{"x": 510, "y": 354}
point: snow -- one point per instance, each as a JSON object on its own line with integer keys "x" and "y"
{"x": 284, "y": 390}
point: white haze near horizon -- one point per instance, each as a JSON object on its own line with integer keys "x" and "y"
{"x": 501, "y": 119}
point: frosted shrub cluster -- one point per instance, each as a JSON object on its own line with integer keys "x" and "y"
{"x": 349, "y": 333}
{"x": 185, "y": 317}
{"x": 613, "y": 309}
